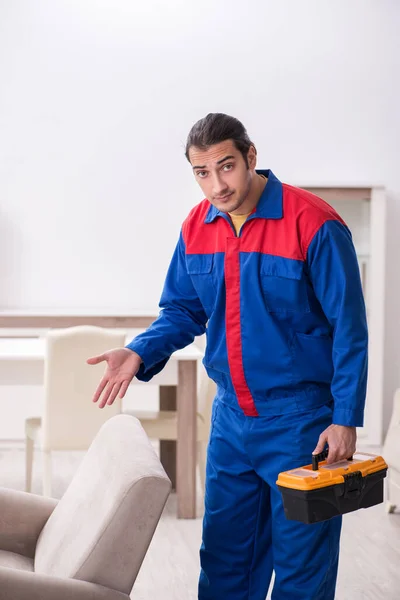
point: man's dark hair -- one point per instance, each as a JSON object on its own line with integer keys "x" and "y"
{"x": 216, "y": 128}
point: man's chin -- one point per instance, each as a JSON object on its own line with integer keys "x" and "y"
{"x": 227, "y": 207}
{"x": 224, "y": 209}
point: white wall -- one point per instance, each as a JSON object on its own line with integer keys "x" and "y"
{"x": 96, "y": 100}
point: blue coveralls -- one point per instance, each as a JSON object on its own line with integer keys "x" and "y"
{"x": 283, "y": 309}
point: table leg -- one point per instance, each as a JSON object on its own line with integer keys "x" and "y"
{"x": 168, "y": 447}
{"x": 187, "y": 438}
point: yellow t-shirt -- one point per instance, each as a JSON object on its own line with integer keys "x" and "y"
{"x": 238, "y": 221}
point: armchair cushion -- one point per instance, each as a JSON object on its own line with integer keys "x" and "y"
{"x": 22, "y": 518}
{"x": 21, "y": 585}
{"x": 15, "y": 561}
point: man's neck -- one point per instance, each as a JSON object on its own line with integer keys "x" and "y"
{"x": 256, "y": 189}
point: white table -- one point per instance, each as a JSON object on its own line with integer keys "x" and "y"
{"x": 66, "y": 317}
{"x": 22, "y": 363}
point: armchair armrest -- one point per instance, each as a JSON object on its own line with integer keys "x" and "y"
{"x": 24, "y": 585}
{"x": 22, "y": 518}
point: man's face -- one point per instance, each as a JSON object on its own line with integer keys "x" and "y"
{"x": 223, "y": 175}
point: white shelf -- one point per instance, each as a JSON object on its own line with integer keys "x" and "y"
{"x": 365, "y": 215}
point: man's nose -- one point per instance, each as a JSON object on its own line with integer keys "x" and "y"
{"x": 219, "y": 186}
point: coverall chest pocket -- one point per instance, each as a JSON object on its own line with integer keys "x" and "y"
{"x": 284, "y": 284}
{"x": 200, "y": 269}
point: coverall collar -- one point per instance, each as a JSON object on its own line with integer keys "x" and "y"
{"x": 269, "y": 205}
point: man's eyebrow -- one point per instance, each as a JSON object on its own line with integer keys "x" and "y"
{"x": 224, "y": 159}
{"x": 229, "y": 157}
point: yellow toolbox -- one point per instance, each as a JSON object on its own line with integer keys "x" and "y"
{"x": 318, "y": 492}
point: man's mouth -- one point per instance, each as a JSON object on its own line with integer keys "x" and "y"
{"x": 223, "y": 198}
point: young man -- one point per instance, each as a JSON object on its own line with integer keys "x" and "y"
{"x": 272, "y": 270}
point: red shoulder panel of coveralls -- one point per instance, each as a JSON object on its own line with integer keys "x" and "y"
{"x": 289, "y": 237}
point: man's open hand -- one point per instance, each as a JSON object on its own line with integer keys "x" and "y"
{"x": 122, "y": 366}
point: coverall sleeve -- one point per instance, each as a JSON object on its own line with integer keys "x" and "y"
{"x": 335, "y": 276}
{"x": 181, "y": 319}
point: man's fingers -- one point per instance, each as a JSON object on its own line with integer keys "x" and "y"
{"x": 321, "y": 443}
{"x": 106, "y": 394}
{"x": 339, "y": 453}
{"x": 109, "y": 390}
{"x": 95, "y": 360}
{"x": 333, "y": 455}
{"x": 341, "y": 441}
{"x": 100, "y": 389}
{"x": 113, "y": 394}
{"x": 123, "y": 389}
{"x": 353, "y": 450}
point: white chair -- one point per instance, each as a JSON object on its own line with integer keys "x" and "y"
{"x": 70, "y": 419}
{"x": 391, "y": 453}
{"x": 163, "y": 425}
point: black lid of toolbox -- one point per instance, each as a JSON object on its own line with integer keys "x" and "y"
{"x": 331, "y": 490}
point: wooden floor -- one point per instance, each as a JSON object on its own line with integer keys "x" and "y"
{"x": 370, "y": 549}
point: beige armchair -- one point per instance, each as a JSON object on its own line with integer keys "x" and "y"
{"x": 91, "y": 543}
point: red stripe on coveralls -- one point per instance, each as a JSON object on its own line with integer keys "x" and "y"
{"x": 233, "y": 327}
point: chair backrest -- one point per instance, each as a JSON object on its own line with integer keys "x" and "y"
{"x": 70, "y": 419}
{"x": 101, "y": 528}
{"x": 391, "y": 447}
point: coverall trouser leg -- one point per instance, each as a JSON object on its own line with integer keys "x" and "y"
{"x": 246, "y": 535}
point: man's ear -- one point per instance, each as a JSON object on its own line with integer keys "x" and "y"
{"x": 252, "y": 157}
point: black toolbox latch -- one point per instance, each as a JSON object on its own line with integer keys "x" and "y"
{"x": 353, "y": 484}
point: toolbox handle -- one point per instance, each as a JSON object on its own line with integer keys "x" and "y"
{"x": 317, "y": 458}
